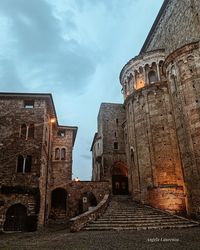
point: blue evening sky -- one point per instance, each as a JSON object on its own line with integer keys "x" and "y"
{"x": 74, "y": 49}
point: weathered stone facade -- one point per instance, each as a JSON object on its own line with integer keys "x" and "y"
{"x": 177, "y": 24}
{"x": 28, "y": 169}
{"x": 152, "y": 149}
{"x": 108, "y": 147}
{"x": 163, "y": 114}
{"x": 182, "y": 68}
{"x": 161, "y": 99}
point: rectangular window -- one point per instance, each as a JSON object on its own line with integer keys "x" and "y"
{"x": 115, "y": 145}
{"x": 28, "y": 104}
{"x": 61, "y": 133}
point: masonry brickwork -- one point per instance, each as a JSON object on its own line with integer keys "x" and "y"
{"x": 29, "y": 134}
{"x": 108, "y": 145}
{"x": 161, "y": 101}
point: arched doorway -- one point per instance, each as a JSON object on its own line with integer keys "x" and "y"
{"x": 16, "y": 218}
{"x": 58, "y": 203}
{"x": 87, "y": 201}
{"x": 120, "y": 178}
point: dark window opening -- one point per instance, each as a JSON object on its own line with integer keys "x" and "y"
{"x": 63, "y": 154}
{"x": 61, "y": 133}
{"x": 31, "y": 130}
{"x": 152, "y": 77}
{"x": 115, "y": 134}
{"x": 115, "y": 145}
{"x": 20, "y": 164}
{"x": 28, "y": 164}
{"x": 57, "y": 154}
{"x": 23, "y": 130}
{"x": 117, "y": 121}
{"x": 29, "y": 104}
{"x": 24, "y": 164}
{"x": 58, "y": 199}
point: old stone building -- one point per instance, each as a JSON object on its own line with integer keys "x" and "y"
{"x": 108, "y": 148}
{"x": 161, "y": 101}
{"x": 35, "y": 160}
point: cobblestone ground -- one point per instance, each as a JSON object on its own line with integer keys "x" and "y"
{"x": 61, "y": 239}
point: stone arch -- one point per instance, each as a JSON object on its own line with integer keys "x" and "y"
{"x": 16, "y": 218}
{"x": 152, "y": 77}
{"x": 58, "y": 203}
{"x": 119, "y": 172}
{"x": 160, "y": 68}
{"x": 141, "y": 70}
{"x": 141, "y": 99}
{"x": 154, "y": 66}
{"x": 86, "y": 202}
{"x": 173, "y": 70}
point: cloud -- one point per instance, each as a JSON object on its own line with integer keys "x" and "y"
{"x": 47, "y": 56}
{"x": 74, "y": 49}
{"x": 9, "y": 78}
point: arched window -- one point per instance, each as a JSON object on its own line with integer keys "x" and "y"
{"x": 20, "y": 164}
{"x": 23, "y": 130}
{"x": 173, "y": 71}
{"x": 28, "y": 163}
{"x": 63, "y": 154}
{"x": 31, "y": 131}
{"x": 152, "y": 76}
{"x": 57, "y": 154}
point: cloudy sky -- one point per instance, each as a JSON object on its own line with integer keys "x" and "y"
{"x": 74, "y": 49}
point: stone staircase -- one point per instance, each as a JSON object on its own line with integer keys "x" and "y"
{"x": 125, "y": 214}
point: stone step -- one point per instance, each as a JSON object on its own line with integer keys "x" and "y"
{"x": 124, "y": 214}
{"x": 138, "y": 228}
{"x": 135, "y": 216}
{"x": 138, "y": 220}
{"x": 139, "y": 223}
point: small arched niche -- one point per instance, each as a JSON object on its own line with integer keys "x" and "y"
{"x": 152, "y": 77}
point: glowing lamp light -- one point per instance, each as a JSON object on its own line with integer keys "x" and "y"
{"x": 77, "y": 179}
{"x": 53, "y": 120}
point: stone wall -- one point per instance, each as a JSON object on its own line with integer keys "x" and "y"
{"x": 183, "y": 72}
{"x": 179, "y": 24}
{"x": 151, "y": 142}
{"x": 170, "y": 199}
{"x": 78, "y": 222}
{"x": 45, "y": 172}
{"x": 12, "y": 116}
{"x": 76, "y": 191}
{"x": 110, "y": 120}
{"x": 62, "y": 167}
{"x": 30, "y": 201}
{"x": 154, "y": 158}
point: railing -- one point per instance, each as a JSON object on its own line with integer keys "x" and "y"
{"x": 80, "y": 221}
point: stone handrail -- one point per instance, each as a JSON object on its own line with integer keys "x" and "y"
{"x": 78, "y": 222}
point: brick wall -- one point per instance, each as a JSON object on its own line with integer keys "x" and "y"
{"x": 183, "y": 71}
{"x": 178, "y": 25}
